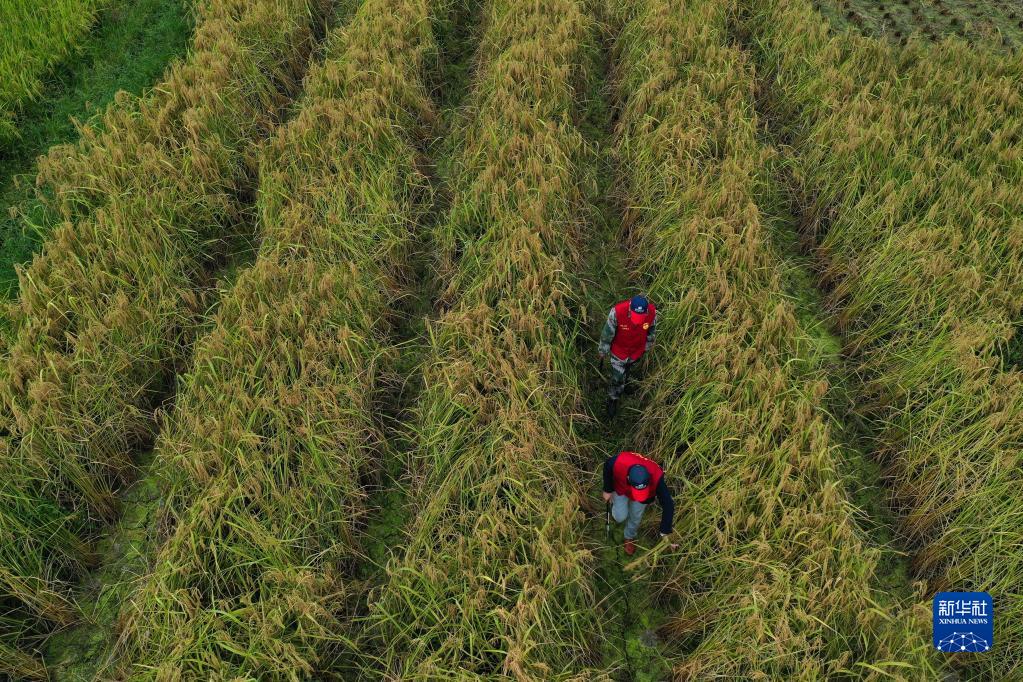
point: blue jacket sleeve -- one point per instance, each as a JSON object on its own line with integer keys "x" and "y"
{"x": 667, "y": 507}
{"x": 609, "y": 465}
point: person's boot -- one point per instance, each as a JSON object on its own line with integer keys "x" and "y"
{"x": 630, "y": 547}
{"x": 612, "y": 408}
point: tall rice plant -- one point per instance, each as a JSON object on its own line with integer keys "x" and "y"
{"x": 912, "y": 181}
{"x": 151, "y": 196}
{"x": 106, "y": 312}
{"x": 273, "y": 436}
{"x": 494, "y": 579}
{"x": 19, "y": 665}
{"x": 773, "y": 578}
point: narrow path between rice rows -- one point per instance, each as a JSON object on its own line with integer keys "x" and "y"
{"x": 85, "y": 650}
{"x": 391, "y": 509}
{"x": 125, "y": 548}
{"x": 496, "y": 577}
{"x": 863, "y": 473}
{"x": 801, "y": 268}
{"x": 630, "y": 611}
{"x": 906, "y": 161}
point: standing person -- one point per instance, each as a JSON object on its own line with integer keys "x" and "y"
{"x": 631, "y": 482}
{"x": 628, "y": 334}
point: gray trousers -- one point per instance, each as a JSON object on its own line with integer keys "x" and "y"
{"x": 624, "y": 509}
{"x": 619, "y": 374}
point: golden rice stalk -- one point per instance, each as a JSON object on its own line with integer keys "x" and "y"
{"x": 274, "y": 435}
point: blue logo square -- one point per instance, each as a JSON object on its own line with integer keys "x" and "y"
{"x": 963, "y": 621}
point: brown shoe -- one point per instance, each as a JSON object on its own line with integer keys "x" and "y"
{"x": 630, "y": 547}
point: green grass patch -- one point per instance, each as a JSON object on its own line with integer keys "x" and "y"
{"x": 632, "y": 618}
{"x": 85, "y": 651}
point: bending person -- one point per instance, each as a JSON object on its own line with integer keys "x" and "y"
{"x": 631, "y": 482}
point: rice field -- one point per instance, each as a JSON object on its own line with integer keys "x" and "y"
{"x": 303, "y": 383}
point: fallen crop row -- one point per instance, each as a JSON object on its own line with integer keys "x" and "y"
{"x": 773, "y": 578}
{"x": 36, "y": 37}
{"x": 273, "y": 436}
{"x": 911, "y": 173}
{"x": 494, "y": 580}
{"x": 150, "y": 196}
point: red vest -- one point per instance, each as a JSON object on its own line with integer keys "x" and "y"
{"x": 630, "y": 339}
{"x": 620, "y": 473}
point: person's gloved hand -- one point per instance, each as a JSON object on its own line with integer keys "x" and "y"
{"x": 672, "y": 545}
{"x": 607, "y": 497}
{"x": 601, "y": 355}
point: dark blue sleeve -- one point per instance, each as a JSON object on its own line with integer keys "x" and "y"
{"x": 609, "y": 467}
{"x": 667, "y": 507}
